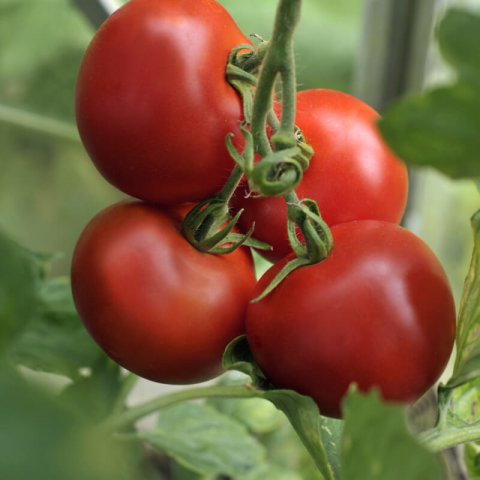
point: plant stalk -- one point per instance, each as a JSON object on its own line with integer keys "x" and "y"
{"x": 437, "y": 440}
{"x": 224, "y": 196}
{"x": 127, "y": 418}
{"x": 39, "y": 123}
{"x": 279, "y": 60}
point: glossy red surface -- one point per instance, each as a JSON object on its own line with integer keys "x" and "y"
{"x": 153, "y": 303}
{"x": 153, "y": 106}
{"x": 378, "y": 312}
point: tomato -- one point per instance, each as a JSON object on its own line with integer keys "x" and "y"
{"x": 153, "y": 105}
{"x": 378, "y": 312}
{"x": 153, "y": 303}
{"x": 352, "y": 175}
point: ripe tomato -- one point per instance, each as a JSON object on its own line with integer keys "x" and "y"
{"x": 378, "y": 311}
{"x": 352, "y": 175}
{"x": 153, "y": 303}
{"x": 153, "y": 105}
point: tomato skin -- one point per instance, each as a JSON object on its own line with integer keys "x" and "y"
{"x": 152, "y": 103}
{"x": 378, "y": 311}
{"x": 352, "y": 175}
{"x": 153, "y": 303}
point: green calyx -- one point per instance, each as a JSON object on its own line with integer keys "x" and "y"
{"x": 250, "y": 61}
{"x": 303, "y": 216}
{"x": 277, "y": 174}
{"x": 243, "y": 61}
{"x": 281, "y": 171}
{"x": 209, "y": 227}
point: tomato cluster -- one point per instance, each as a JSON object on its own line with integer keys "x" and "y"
{"x": 153, "y": 110}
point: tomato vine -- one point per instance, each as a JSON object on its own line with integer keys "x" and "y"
{"x": 274, "y": 156}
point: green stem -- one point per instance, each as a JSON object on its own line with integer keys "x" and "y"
{"x": 273, "y": 121}
{"x": 231, "y": 185}
{"x": 224, "y": 196}
{"x": 438, "y": 439}
{"x": 279, "y": 60}
{"x": 291, "y": 197}
{"x": 262, "y": 104}
{"x": 127, "y": 418}
{"x": 39, "y": 123}
{"x": 289, "y": 95}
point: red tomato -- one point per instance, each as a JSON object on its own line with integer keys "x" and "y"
{"x": 352, "y": 175}
{"x": 153, "y": 303}
{"x": 378, "y": 311}
{"x": 153, "y": 105}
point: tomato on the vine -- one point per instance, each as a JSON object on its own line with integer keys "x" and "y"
{"x": 153, "y": 104}
{"x": 153, "y": 303}
{"x": 352, "y": 175}
{"x": 378, "y": 312}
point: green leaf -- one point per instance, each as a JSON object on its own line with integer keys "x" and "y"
{"x": 458, "y": 37}
{"x": 377, "y": 444}
{"x": 41, "y": 438}
{"x": 179, "y": 472}
{"x": 440, "y": 128}
{"x": 471, "y": 456}
{"x": 55, "y": 341}
{"x": 19, "y": 277}
{"x": 302, "y": 412}
{"x": 205, "y": 441}
{"x": 332, "y": 430}
{"x": 286, "y": 455}
{"x": 467, "y": 361}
